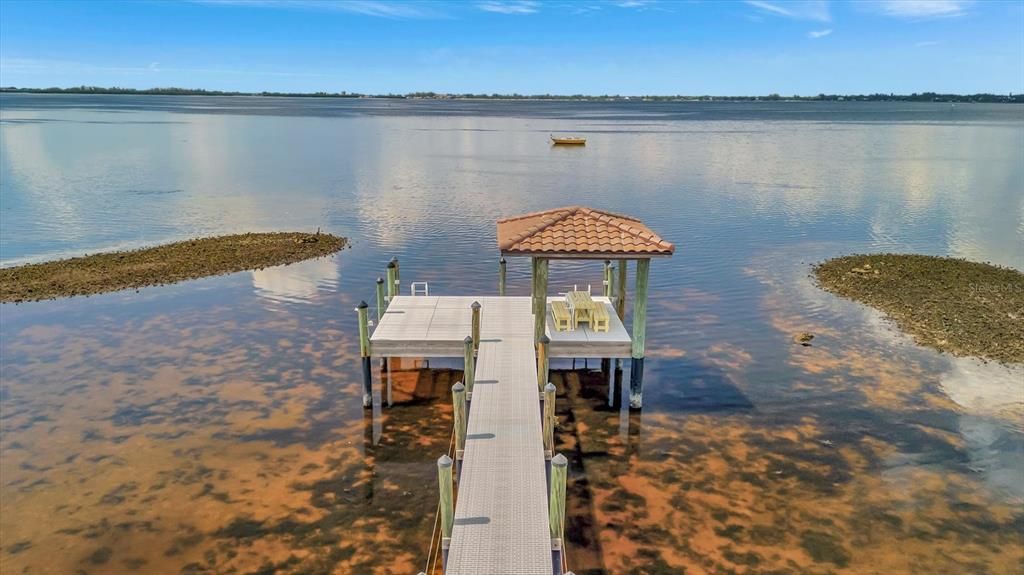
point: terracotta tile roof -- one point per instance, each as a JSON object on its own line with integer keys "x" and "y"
{"x": 579, "y": 231}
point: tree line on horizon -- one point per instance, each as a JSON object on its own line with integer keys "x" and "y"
{"x": 878, "y": 97}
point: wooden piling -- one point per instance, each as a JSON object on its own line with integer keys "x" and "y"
{"x": 392, "y": 275}
{"x": 398, "y": 276}
{"x": 542, "y": 361}
{"x": 459, "y": 402}
{"x": 549, "y": 420}
{"x": 364, "y": 352}
{"x": 556, "y": 498}
{"x": 501, "y": 276}
{"x": 380, "y": 299}
{"x": 444, "y": 484}
{"x": 476, "y": 325}
{"x": 636, "y": 374}
{"x": 540, "y": 297}
{"x": 469, "y": 366}
{"x": 620, "y": 302}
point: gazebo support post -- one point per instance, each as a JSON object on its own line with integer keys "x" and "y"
{"x": 636, "y": 372}
{"x": 620, "y": 303}
{"x": 540, "y": 297}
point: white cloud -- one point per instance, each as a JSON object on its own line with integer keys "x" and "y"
{"x": 926, "y": 43}
{"x": 797, "y": 9}
{"x": 917, "y": 9}
{"x": 819, "y": 33}
{"x": 509, "y": 7}
{"x": 633, "y": 3}
{"x": 376, "y": 8}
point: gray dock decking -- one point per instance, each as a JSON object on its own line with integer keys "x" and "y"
{"x": 501, "y": 513}
{"x": 501, "y": 516}
{"x": 434, "y": 326}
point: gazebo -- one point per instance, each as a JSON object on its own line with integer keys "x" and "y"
{"x": 581, "y": 233}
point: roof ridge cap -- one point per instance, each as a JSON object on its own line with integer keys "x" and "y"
{"x": 647, "y": 236}
{"x": 538, "y": 214}
{"x": 609, "y": 214}
{"x": 558, "y": 214}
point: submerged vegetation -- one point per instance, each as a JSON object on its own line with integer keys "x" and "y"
{"x": 164, "y": 264}
{"x": 953, "y": 305}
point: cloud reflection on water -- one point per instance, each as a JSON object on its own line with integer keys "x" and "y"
{"x": 197, "y": 427}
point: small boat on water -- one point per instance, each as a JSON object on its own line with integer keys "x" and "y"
{"x": 568, "y": 141}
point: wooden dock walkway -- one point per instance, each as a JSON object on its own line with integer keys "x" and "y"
{"x": 509, "y": 513}
{"x": 501, "y": 517}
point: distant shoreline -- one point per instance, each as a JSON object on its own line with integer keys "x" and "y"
{"x": 983, "y": 98}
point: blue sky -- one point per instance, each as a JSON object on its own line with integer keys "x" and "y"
{"x": 557, "y": 46}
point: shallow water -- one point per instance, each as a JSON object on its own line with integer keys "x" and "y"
{"x": 216, "y": 426}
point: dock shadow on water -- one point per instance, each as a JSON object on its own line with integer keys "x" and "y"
{"x": 192, "y": 443}
{"x": 733, "y": 490}
{"x": 849, "y": 456}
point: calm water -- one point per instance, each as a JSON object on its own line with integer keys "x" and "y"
{"x": 215, "y": 426}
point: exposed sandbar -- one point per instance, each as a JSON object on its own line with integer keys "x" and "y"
{"x": 957, "y": 306}
{"x": 169, "y": 263}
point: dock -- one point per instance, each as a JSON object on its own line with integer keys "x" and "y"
{"x": 501, "y": 520}
{"x": 435, "y": 326}
{"x": 507, "y": 514}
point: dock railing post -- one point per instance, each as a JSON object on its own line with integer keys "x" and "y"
{"x": 398, "y": 277}
{"x": 549, "y": 420}
{"x": 470, "y": 367}
{"x": 444, "y": 484}
{"x": 364, "y": 352}
{"x": 381, "y": 305}
{"x": 542, "y": 361}
{"x": 476, "y": 325}
{"x": 459, "y": 403}
{"x": 392, "y": 275}
{"x": 501, "y": 276}
{"x": 607, "y": 279}
{"x": 556, "y": 508}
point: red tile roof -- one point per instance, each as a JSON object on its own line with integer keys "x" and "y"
{"x": 579, "y": 231}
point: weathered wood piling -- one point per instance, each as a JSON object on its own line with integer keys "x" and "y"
{"x": 364, "y": 352}
{"x": 447, "y": 505}
{"x": 549, "y": 420}
{"x": 556, "y": 508}
{"x": 502, "y": 268}
{"x": 636, "y": 374}
{"x": 459, "y": 408}
{"x": 469, "y": 366}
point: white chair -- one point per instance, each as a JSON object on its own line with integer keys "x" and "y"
{"x": 419, "y": 288}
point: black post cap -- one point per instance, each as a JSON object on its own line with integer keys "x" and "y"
{"x": 391, "y": 264}
{"x": 469, "y": 339}
{"x": 476, "y": 305}
{"x": 545, "y": 339}
{"x": 380, "y": 280}
{"x": 362, "y": 305}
